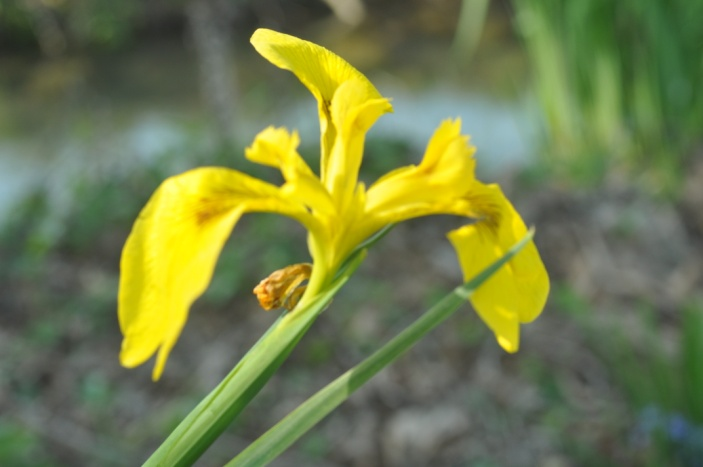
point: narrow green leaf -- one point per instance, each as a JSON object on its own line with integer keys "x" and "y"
{"x": 690, "y": 364}
{"x": 294, "y": 425}
{"x": 215, "y": 413}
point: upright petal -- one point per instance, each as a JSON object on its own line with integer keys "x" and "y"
{"x": 320, "y": 70}
{"x": 171, "y": 253}
{"x": 445, "y": 174}
{"x": 353, "y": 114}
{"x": 518, "y": 291}
{"x": 278, "y": 148}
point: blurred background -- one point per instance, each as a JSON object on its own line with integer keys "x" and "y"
{"x": 589, "y": 114}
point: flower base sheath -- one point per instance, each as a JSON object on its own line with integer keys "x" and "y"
{"x": 170, "y": 255}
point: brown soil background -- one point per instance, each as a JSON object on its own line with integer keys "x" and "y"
{"x": 455, "y": 399}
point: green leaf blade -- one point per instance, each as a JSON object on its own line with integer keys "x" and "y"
{"x": 276, "y": 440}
{"x": 215, "y": 412}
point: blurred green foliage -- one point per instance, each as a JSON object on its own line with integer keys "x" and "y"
{"x": 15, "y": 21}
{"x": 662, "y": 383}
{"x": 18, "y": 445}
{"x": 620, "y": 84}
{"x": 56, "y": 24}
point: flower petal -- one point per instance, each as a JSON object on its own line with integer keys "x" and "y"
{"x": 320, "y": 70}
{"x": 170, "y": 255}
{"x": 518, "y": 291}
{"x": 445, "y": 174}
{"x": 278, "y": 148}
{"x": 353, "y": 114}
{"x": 441, "y": 184}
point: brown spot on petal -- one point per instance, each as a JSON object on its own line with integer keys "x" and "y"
{"x": 207, "y": 209}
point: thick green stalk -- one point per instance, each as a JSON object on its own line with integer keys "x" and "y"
{"x": 215, "y": 413}
{"x": 294, "y": 425}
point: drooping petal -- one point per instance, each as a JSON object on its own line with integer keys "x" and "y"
{"x": 320, "y": 70}
{"x": 518, "y": 291}
{"x": 170, "y": 255}
{"x": 276, "y": 147}
{"x": 445, "y": 175}
{"x": 353, "y": 114}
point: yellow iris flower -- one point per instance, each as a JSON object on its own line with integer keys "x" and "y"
{"x": 169, "y": 257}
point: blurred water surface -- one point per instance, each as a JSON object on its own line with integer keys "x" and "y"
{"x": 85, "y": 118}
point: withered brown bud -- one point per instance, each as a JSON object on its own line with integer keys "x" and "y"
{"x": 284, "y": 287}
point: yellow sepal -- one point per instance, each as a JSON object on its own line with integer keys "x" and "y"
{"x": 518, "y": 291}
{"x": 170, "y": 255}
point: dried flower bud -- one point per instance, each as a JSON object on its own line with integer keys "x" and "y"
{"x": 284, "y": 287}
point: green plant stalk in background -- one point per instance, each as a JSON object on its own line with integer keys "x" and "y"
{"x": 468, "y": 29}
{"x": 620, "y": 84}
{"x": 297, "y": 423}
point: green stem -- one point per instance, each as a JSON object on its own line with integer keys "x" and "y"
{"x": 215, "y": 413}
{"x": 294, "y": 425}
